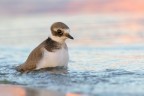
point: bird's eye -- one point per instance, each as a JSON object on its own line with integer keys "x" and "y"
{"x": 59, "y": 32}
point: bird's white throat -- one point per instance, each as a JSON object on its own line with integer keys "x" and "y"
{"x": 60, "y": 40}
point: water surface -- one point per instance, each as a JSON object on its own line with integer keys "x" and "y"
{"x": 106, "y": 57}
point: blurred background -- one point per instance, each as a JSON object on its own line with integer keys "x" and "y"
{"x": 94, "y": 22}
{"x": 106, "y": 56}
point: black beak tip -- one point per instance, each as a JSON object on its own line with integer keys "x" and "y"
{"x": 69, "y": 36}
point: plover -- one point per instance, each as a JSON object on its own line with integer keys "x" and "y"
{"x": 52, "y": 52}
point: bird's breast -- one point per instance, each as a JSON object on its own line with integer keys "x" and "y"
{"x": 53, "y": 59}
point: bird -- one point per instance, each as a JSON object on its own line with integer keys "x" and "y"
{"x": 51, "y": 53}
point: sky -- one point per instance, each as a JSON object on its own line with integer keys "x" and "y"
{"x": 10, "y": 7}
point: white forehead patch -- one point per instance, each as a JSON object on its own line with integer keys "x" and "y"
{"x": 65, "y": 30}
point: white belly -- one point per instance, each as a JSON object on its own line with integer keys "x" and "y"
{"x": 54, "y": 59}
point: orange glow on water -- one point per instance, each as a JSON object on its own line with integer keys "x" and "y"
{"x": 8, "y": 90}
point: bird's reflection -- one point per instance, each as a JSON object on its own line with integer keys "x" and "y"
{"x": 36, "y": 92}
{"x": 13, "y": 90}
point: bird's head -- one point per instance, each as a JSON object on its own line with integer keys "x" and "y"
{"x": 60, "y": 32}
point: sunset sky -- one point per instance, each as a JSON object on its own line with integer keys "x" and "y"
{"x": 70, "y": 6}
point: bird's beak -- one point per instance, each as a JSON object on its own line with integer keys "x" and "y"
{"x": 69, "y": 36}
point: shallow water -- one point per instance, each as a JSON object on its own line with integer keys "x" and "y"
{"x": 102, "y": 61}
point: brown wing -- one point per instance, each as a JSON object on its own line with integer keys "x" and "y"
{"x": 32, "y": 59}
